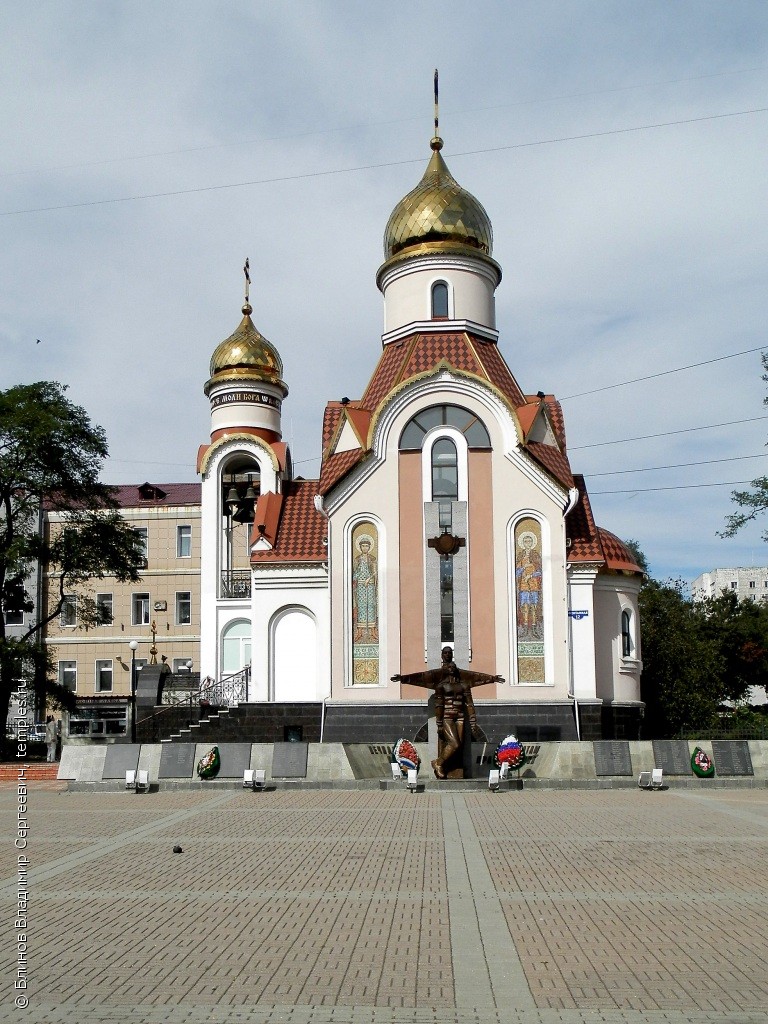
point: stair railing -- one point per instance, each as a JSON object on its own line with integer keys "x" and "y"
{"x": 228, "y": 691}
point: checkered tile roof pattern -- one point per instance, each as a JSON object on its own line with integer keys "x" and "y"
{"x": 386, "y": 374}
{"x": 331, "y": 418}
{"x": 557, "y": 419}
{"x": 497, "y": 371}
{"x": 552, "y": 460}
{"x": 431, "y": 349}
{"x": 302, "y": 528}
{"x": 336, "y": 466}
{"x": 617, "y": 555}
{"x": 580, "y": 528}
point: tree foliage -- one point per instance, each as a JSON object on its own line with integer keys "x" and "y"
{"x": 697, "y": 655}
{"x": 754, "y": 502}
{"x": 51, "y": 454}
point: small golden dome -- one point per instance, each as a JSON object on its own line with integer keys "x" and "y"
{"x": 249, "y": 352}
{"x": 438, "y": 211}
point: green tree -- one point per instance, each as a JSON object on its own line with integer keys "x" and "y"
{"x": 683, "y": 664}
{"x": 50, "y": 453}
{"x": 638, "y": 554}
{"x": 753, "y": 502}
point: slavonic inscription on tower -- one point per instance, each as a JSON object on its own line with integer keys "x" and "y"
{"x": 246, "y": 397}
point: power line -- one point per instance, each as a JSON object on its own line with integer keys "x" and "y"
{"x": 665, "y": 373}
{"x": 371, "y": 124}
{"x": 679, "y": 487}
{"x": 380, "y": 166}
{"x": 679, "y": 465}
{"x": 666, "y": 433}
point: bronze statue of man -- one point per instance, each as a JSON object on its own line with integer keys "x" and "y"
{"x": 453, "y": 698}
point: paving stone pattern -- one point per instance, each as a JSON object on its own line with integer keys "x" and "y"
{"x": 345, "y": 907}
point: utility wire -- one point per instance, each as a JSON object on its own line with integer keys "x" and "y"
{"x": 679, "y": 465}
{"x": 680, "y": 487}
{"x": 380, "y": 166}
{"x": 664, "y": 373}
{"x": 666, "y": 433}
{"x": 370, "y": 124}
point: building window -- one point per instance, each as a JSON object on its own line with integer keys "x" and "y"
{"x": 141, "y": 533}
{"x": 104, "y": 606}
{"x": 68, "y": 675}
{"x": 183, "y": 607}
{"x": 104, "y": 676}
{"x": 14, "y": 618}
{"x": 183, "y": 541}
{"x": 445, "y": 471}
{"x": 181, "y": 665}
{"x": 15, "y": 598}
{"x": 734, "y": 585}
{"x": 440, "y": 301}
{"x": 69, "y": 611}
{"x": 140, "y": 610}
{"x": 752, "y": 584}
{"x": 626, "y": 634}
{"x": 465, "y": 422}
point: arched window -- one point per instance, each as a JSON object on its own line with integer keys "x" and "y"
{"x": 445, "y": 470}
{"x": 440, "y": 301}
{"x": 626, "y": 634}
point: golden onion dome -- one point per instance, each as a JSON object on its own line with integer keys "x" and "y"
{"x": 440, "y": 212}
{"x": 246, "y": 354}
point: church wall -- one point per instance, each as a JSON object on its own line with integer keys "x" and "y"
{"x": 484, "y": 552}
{"x": 411, "y": 612}
{"x": 618, "y": 678}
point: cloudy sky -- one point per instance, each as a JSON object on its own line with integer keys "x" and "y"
{"x": 148, "y": 148}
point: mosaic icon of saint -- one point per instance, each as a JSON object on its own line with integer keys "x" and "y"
{"x": 528, "y": 573}
{"x": 365, "y": 585}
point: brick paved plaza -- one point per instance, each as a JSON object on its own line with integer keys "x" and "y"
{"x": 387, "y": 907}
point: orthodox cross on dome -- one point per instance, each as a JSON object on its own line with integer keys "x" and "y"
{"x": 247, "y": 274}
{"x": 437, "y": 110}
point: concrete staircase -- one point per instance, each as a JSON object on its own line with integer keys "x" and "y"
{"x": 207, "y": 730}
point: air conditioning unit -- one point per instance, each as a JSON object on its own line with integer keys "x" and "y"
{"x": 160, "y": 606}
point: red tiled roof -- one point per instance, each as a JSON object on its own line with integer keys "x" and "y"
{"x": 497, "y": 371}
{"x": 617, "y": 554}
{"x": 432, "y": 349}
{"x": 553, "y": 460}
{"x": 557, "y": 419}
{"x": 580, "y": 528}
{"x": 591, "y": 543}
{"x": 331, "y": 417}
{"x": 337, "y": 466}
{"x": 302, "y": 529}
{"x": 128, "y": 496}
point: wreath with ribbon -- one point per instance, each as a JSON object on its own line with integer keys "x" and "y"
{"x": 510, "y": 751}
{"x": 406, "y": 755}
{"x": 701, "y": 763}
{"x": 208, "y": 766}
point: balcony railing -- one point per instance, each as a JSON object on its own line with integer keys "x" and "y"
{"x": 235, "y": 585}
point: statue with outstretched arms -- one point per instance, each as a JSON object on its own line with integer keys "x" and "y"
{"x": 453, "y": 698}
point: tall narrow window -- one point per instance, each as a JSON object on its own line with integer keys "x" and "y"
{"x": 104, "y": 605}
{"x": 626, "y": 634}
{"x": 69, "y": 611}
{"x": 440, "y": 301}
{"x": 183, "y": 541}
{"x": 104, "y": 676}
{"x": 68, "y": 675}
{"x": 143, "y": 535}
{"x": 183, "y": 607}
{"x": 529, "y": 588}
{"x": 140, "y": 610}
{"x": 365, "y": 604}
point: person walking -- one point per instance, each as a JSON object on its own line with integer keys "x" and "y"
{"x": 50, "y": 738}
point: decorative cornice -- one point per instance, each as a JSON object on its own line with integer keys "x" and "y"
{"x": 237, "y": 440}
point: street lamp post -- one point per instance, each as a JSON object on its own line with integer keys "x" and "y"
{"x": 133, "y": 646}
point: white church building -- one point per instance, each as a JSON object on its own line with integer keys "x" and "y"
{"x": 446, "y": 513}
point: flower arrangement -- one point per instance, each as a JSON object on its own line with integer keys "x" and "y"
{"x": 701, "y": 764}
{"x": 406, "y": 755}
{"x": 510, "y": 751}
{"x": 208, "y": 766}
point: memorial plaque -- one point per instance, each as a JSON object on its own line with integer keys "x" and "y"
{"x": 235, "y": 758}
{"x": 612, "y": 757}
{"x": 289, "y": 760}
{"x": 121, "y": 758}
{"x": 673, "y": 756}
{"x": 177, "y": 761}
{"x": 732, "y": 757}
